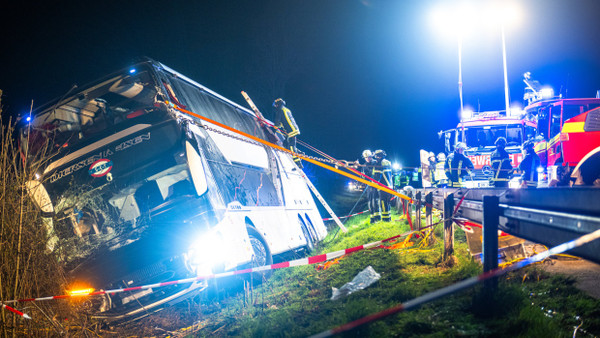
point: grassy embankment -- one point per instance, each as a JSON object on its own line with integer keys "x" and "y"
{"x": 296, "y": 301}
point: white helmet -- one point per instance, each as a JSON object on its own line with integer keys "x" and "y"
{"x": 460, "y": 145}
{"x": 367, "y": 153}
{"x": 441, "y": 157}
{"x": 431, "y": 154}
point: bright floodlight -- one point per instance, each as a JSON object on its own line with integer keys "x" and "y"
{"x": 132, "y": 71}
{"x": 468, "y": 17}
{"x": 455, "y": 20}
{"x": 396, "y": 166}
{"x": 509, "y": 13}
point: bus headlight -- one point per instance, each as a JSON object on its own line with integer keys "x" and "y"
{"x": 207, "y": 255}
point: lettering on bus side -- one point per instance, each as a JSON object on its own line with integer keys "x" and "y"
{"x": 103, "y": 154}
{"x": 131, "y": 142}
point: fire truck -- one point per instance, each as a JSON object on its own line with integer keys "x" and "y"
{"x": 480, "y": 130}
{"x": 568, "y": 138}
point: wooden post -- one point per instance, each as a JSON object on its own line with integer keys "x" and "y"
{"x": 491, "y": 218}
{"x": 429, "y": 209}
{"x": 448, "y": 226}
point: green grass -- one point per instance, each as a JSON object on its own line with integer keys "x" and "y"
{"x": 296, "y": 302}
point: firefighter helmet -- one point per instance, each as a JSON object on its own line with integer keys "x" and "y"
{"x": 528, "y": 145}
{"x": 379, "y": 153}
{"x": 367, "y": 153}
{"x": 431, "y": 154}
{"x": 441, "y": 157}
{"x": 500, "y": 142}
{"x": 278, "y": 103}
{"x": 460, "y": 145}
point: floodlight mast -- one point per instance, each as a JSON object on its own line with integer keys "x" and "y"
{"x": 460, "y": 93}
{"x": 506, "y": 91}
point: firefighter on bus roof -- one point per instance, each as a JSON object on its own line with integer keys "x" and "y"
{"x": 529, "y": 166}
{"x": 285, "y": 123}
{"x": 457, "y": 165}
{"x": 382, "y": 172}
{"x": 501, "y": 167}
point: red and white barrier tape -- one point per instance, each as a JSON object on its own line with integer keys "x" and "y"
{"x": 358, "y": 213}
{"x": 416, "y": 302}
{"x": 298, "y": 262}
{"x": 15, "y": 311}
{"x": 467, "y": 226}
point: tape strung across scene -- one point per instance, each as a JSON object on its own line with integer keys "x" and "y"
{"x": 15, "y": 311}
{"x": 298, "y": 262}
{"x": 302, "y": 156}
{"x": 347, "y": 216}
{"x": 416, "y": 302}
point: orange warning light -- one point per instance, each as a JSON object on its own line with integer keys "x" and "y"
{"x": 81, "y": 292}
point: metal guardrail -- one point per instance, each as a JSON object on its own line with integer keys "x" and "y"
{"x": 548, "y": 216}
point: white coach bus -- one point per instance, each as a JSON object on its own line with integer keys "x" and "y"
{"x": 139, "y": 191}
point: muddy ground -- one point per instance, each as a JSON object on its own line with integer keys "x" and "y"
{"x": 585, "y": 272}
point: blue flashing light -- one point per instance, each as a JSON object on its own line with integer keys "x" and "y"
{"x": 28, "y": 119}
{"x": 132, "y": 71}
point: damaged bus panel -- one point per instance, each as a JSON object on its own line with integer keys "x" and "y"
{"x": 136, "y": 191}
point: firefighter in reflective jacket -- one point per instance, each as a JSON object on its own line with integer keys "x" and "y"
{"x": 372, "y": 193}
{"x": 285, "y": 122}
{"x": 501, "y": 167}
{"x": 382, "y": 172}
{"x": 457, "y": 165}
{"x": 440, "y": 173}
{"x": 529, "y": 166}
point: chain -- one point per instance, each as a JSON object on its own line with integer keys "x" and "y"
{"x": 320, "y": 159}
{"x": 243, "y": 139}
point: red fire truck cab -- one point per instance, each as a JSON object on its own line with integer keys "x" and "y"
{"x": 480, "y": 131}
{"x": 568, "y": 140}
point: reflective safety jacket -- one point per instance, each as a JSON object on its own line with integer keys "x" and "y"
{"x": 457, "y": 165}
{"x": 529, "y": 166}
{"x": 501, "y": 166}
{"x": 284, "y": 120}
{"x": 440, "y": 174}
{"x": 382, "y": 172}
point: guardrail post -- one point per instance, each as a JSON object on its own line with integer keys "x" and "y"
{"x": 418, "y": 211}
{"x": 448, "y": 226}
{"x": 491, "y": 218}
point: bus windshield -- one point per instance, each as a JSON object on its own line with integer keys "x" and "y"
{"x": 92, "y": 112}
{"x": 486, "y": 136}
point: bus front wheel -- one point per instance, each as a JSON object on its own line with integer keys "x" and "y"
{"x": 261, "y": 254}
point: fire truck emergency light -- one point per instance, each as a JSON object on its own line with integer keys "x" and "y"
{"x": 547, "y": 92}
{"x": 466, "y": 114}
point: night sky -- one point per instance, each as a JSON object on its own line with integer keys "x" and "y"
{"x": 356, "y": 74}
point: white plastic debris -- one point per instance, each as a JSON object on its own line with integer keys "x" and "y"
{"x": 364, "y": 278}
